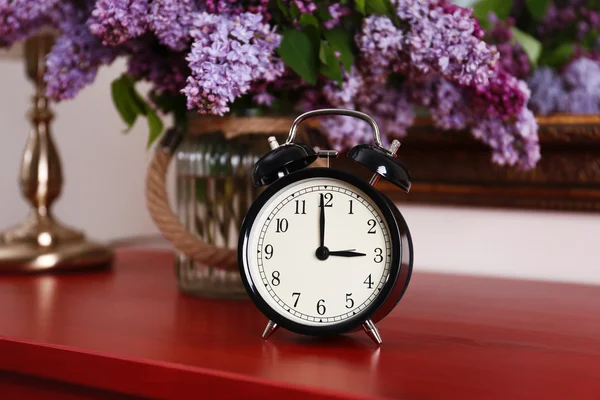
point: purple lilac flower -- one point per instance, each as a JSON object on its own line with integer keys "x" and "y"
{"x": 20, "y": 18}
{"x": 337, "y": 12}
{"x": 513, "y": 58}
{"x": 305, "y": 6}
{"x": 447, "y": 44}
{"x": 381, "y": 45}
{"x": 435, "y": 39}
{"x": 228, "y": 55}
{"x": 389, "y": 107}
{"x": 583, "y": 73}
{"x": 503, "y": 96}
{"x": 116, "y": 21}
{"x": 223, "y": 7}
{"x": 264, "y": 98}
{"x": 75, "y": 58}
{"x": 171, "y": 21}
{"x": 344, "y": 95}
{"x": 575, "y": 13}
{"x": 581, "y": 80}
{"x": 393, "y": 112}
{"x": 547, "y": 88}
{"x": 450, "y": 109}
{"x": 576, "y": 90}
{"x": 513, "y": 139}
{"x": 345, "y": 132}
{"x": 260, "y": 7}
{"x": 579, "y": 101}
{"x": 465, "y": 13}
{"x": 166, "y": 70}
{"x": 513, "y": 142}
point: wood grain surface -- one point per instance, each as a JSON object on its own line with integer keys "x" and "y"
{"x": 130, "y": 331}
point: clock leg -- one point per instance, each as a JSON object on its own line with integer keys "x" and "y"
{"x": 269, "y": 329}
{"x": 372, "y": 331}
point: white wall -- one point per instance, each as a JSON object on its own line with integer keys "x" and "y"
{"x": 104, "y": 194}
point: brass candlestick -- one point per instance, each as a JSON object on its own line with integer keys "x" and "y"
{"x": 40, "y": 243}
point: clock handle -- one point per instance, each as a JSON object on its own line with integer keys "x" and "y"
{"x": 335, "y": 111}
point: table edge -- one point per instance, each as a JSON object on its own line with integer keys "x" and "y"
{"x": 40, "y": 359}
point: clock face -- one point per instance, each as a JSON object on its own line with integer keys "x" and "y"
{"x": 313, "y": 283}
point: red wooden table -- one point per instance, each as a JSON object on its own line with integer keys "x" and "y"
{"x": 129, "y": 333}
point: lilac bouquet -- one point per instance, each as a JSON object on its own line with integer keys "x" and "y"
{"x": 554, "y": 45}
{"x": 393, "y": 59}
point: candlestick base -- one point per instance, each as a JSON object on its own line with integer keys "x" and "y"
{"x": 42, "y": 244}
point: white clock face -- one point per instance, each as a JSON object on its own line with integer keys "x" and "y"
{"x": 290, "y": 269}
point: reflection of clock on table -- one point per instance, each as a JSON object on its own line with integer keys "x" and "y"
{"x": 321, "y": 251}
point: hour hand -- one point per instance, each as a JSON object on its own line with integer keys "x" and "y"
{"x": 346, "y": 253}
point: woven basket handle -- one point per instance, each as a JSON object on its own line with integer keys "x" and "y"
{"x": 157, "y": 202}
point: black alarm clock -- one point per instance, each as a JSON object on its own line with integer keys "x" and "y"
{"x": 321, "y": 251}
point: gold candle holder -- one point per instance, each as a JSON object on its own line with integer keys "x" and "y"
{"x": 41, "y": 243}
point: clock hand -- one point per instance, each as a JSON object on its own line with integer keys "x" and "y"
{"x": 322, "y": 223}
{"x": 346, "y": 253}
{"x": 322, "y": 252}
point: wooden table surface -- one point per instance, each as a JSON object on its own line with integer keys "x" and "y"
{"x": 129, "y": 332}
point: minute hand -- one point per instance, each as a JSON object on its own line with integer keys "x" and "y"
{"x": 346, "y": 253}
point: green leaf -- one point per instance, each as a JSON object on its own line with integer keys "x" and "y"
{"x": 330, "y": 66}
{"x": 359, "y": 5}
{"x": 155, "y": 126}
{"x": 309, "y": 20}
{"x": 341, "y": 41}
{"x": 298, "y": 52}
{"x": 314, "y": 35}
{"x": 121, "y": 97}
{"x": 323, "y": 14}
{"x": 537, "y": 8}
{"x": 377, "y": 7}
{"x": 558, "y": 56}
{"x": 131, "y": 104}
{"x": 283, "y": 8}
{"x": 294, "y": 11}
{"x": 482, "y": 9}
{"x": 530, "y": 45}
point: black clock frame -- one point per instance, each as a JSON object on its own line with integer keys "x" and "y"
{"x": 400, "y": 266}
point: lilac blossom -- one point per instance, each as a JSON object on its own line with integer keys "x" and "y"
{"x": 389, "y": 107}
{"x": 337, "y": 12}
{"x": 166, "y": 70}
{"x": 228, "y": 55}
{"x": 450, "y": 109}
{"x": 503, "y": 96}
{"x": 576, "y": 90}
{"x": 434, "y": 39}
{"x": 546, "y": 87}
{"x": 513, "y": 58}
{"x": 75, "y": 58}
{"x": 381, "y": 45}
{"x": 116, "y": 21}
{"x": 305, "y": 6}
{"x": 514, "y": 142}
{"x": 21, "y": 18}
{"x": 513, "y": 139}
{"x": 171, "y": 21}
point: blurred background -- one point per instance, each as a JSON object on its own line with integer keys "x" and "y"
{"x": 103, "y": 195}
{"x": 104, "y": 173}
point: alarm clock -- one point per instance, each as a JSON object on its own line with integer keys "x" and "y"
{"x": 321, "y": 251}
